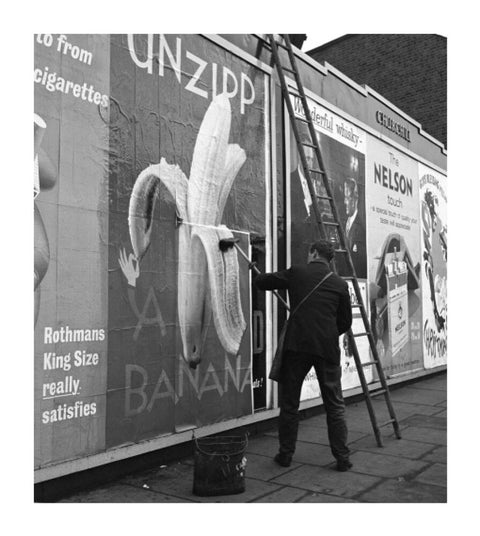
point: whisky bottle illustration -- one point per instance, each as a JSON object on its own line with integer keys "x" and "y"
{"x": 397, "y": 297}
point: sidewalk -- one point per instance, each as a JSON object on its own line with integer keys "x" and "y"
{"x": 410, "y": 470}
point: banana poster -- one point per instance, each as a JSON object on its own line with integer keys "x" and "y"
{"x": 151, "y": 151}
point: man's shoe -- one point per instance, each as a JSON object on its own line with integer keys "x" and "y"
{"x": 283, "y": 460}
{"x": 344, "y": 465}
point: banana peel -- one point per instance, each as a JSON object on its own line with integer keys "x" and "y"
{"x": 208, "y": 279}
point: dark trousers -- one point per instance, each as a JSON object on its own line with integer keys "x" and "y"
{"x": 295, "y": 367}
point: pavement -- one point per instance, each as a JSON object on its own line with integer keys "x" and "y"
{"x": 408, "y": 470}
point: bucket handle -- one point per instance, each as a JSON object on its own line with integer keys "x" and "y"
{"x": 225, "y": 457}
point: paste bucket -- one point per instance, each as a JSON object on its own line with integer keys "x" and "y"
{"x": 219, "y": 467}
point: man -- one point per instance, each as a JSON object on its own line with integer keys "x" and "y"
{"x": 302, "y": 202}
{"x": 354, "y": 228}
{"x": 312, "y": 340}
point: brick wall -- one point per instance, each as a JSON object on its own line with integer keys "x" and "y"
{"x": 410, "y": 70}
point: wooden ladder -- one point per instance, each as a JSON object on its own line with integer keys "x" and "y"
{"x": 336, "y": 227}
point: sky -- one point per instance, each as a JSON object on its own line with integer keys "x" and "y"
{"x": 315, "y": 40}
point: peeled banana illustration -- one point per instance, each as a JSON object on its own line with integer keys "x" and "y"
{"x": 208, "y": 279}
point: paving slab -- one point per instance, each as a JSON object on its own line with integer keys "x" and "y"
{"x": 360, "y": 424}
{"x": 426, "y": 421}
{"x": 323, "y": 498}
{"x": 266, "y": 445}
{"x": 123, "y": 493}
{"x": 318, "y": 434}
{"x": 435, "y": 474}
{"x": 438, "y": 454}
{"x": 393, "y": 447}
{"x": 327, "y": 481}
{"x": 315, "y": 454}
{"x": 436, "y": 384}
{"x": 405, "y": 409}
{"x": 282, "y": 495}
{"x": 264, "y": 468}
{"x": 383, "y": 465}
{"x": 410, "y": 395}
{"x": 411, "y": 470}
{"x": 177, "y": 480}
{"x": 425, "y": 435}
{"x": 402, "y": 491}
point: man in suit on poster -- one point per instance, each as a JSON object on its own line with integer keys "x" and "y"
{"x": 355, "y": 228}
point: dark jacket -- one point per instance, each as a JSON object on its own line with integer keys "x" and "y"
{"x": 357, "y": 244}
{"x": 322, "y": 318}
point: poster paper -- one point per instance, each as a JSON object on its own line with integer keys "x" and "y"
{"x": 394, "y": 257}
{"x": 433, "y": 209}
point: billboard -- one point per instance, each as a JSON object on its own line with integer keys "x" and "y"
{"x": 150, "y": 151}
{"x": 71, "y": 81}
{"x": 343, "y": 147}
{"x": 433, "y": 213}
{"x": 394, "y": 257}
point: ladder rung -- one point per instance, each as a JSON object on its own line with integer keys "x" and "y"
{"x": 361, "y": 334}
{"x": 326, "y": 197}
{"x": 347, "y": 277}
{"x": 357, "y": 305}
{"x": 306, "y": 144}
{"x": 390, "y": 421}
{"x": 331, "y": 223}
{"x": 320, "y": 173}
{"x": 340, "y": 251}
{"x": 278, "y": 43}
{"x": 368, "y": 363}
{"x": 281, "y": 45}
{"x": 378, "y": 393}
{"x": 288, "y": 69}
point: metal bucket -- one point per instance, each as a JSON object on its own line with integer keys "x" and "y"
{"x": 220, "y": 464}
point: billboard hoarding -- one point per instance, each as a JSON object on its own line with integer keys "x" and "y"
{"x": 143, "y": 327}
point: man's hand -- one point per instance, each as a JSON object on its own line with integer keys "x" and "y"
{"x": 129, "y": 269}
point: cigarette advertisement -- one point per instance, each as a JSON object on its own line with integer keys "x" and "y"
{"x": 150, "y": 176}
{"x": 394, "y": 260}
{"x": 433, "y": 211}
{"x": 343, "y": 147}
{"x": 71, "y": 141}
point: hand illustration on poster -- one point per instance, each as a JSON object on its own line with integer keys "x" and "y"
{"x": 44, "y": 178}
{"x": 208, "y": 278}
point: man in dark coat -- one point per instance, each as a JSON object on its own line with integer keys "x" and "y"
{"x": 312, "y": 340}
